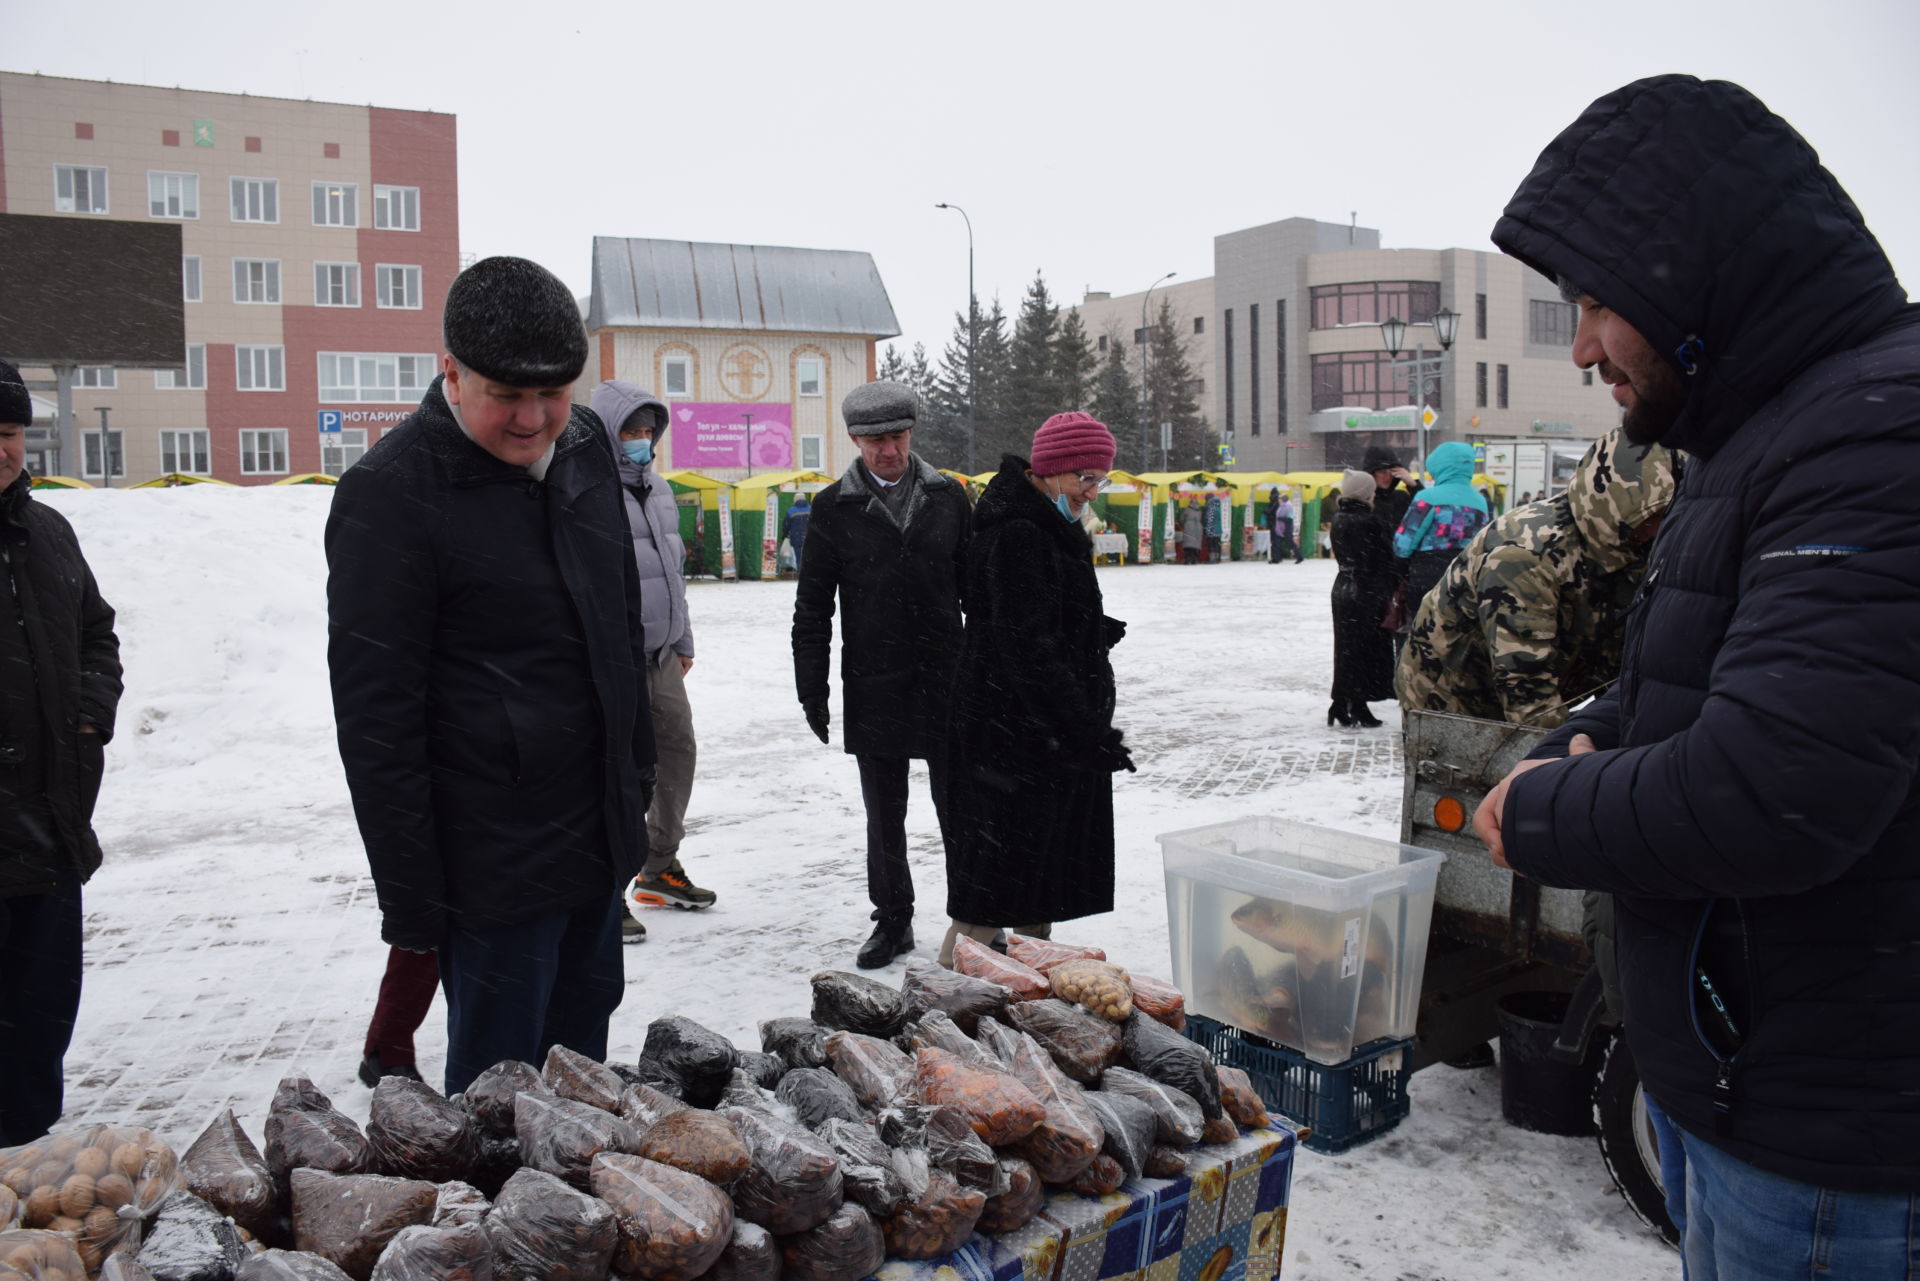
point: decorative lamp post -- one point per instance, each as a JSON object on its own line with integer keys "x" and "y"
{"x": 1146, "y": 401}
{"x": 972, "y": 466}
{"x": 1393, "y": 332}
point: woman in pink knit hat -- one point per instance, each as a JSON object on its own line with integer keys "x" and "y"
{"x": 1031, "y": 742}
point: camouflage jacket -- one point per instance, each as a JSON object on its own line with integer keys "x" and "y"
{"x": 1529, "y": 619}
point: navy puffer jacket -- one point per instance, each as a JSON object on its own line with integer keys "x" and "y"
{"x": 1755, "y": 805}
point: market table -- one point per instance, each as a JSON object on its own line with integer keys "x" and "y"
{"x": 1111, "y": 547}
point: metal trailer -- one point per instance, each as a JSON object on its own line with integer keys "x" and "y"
{"x": 1496, "y": 933}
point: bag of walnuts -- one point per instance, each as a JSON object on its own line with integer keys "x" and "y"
{"x": 96, "y": 1184}
{"x": 39, "y": 1256}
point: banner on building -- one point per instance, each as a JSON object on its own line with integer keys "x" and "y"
{"x": 750, "y": 434}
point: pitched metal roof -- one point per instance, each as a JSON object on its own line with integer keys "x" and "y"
{"x": 683, "y": 284}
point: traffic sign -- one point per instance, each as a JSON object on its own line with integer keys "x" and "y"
{"x": 1428, "y": 418}
{"x": 329, "y": 421}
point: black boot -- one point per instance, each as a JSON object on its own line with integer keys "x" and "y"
{"x": 889, "y": 939}
{"x": 1364, "y": 718}
{"x": 1339, "y": 713}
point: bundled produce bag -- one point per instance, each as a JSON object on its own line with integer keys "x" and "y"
{"x": 562, "y": 1137}
{"x": 936, "y": 1222}
{"x": 95, "y": 1183}
{"x": 847, "y": 1245}
{"x": 458, "y": 1253}
{"x": 702, "y": 1060}
{"x": 701, "y": 1143}
{"x": 1025, "y": 1196}
{"x": 456, "y": 1203}
{"x": 1043, "y": 954}
{"x": 1083, "y": 1044}
{"x": 572, "y": 1075}
{"x": 876, "y": 1071}
{"x": 934, "y": 1030}
{"x": 800, "y": 1043}
{"x": 1159, "y": 999}
{"x": 673, "y": 1225}
{"x": 652, "y": 1072}
{"x": 499, "y": 1157}
{"x": 741, "y": 1092}
{"x": 752, "y": 1255}
{"x": 225, "y": 1170}
{"x": 643, "y": 1107}
{"x": 963, "y": 998}
{"x": 1103, "y": 1176}
{"x": 867, "y": 1172}
{"x": 124, "y": 1267}
{"x": 414, "y": 1133}
{"x": 947, "y": 1138}
{"x": 305, "y": 1132}
{"x": 29, "y": 1254}
{"x": 543, "y": 1230}
{"x": 1177, "y": 1118}
{"x": 794, "y": 1181}
{"x": 349, "y": 1218}
{"x": 1157, "y": 1051}
{"x": 1241, "y": 1101}
{"x": 490, "y": 1097}
{"x": 1166, "y": 1163}
{"x": 1220, "y": 1129}
{"x": 977, "y": 960}
{"x": 817, "y": 1095}
{"x": 1129, "y": 1125}
{"x": 762, "y": 1068}
{"x": 191, "y": 1241}
{"x": 849, "y": 1003}
{"x": 1095, "y": 986}
{"x": 1070, "y": 1135}
{"x": 285, "y": 1265}
{"x": 998, "y": 1107}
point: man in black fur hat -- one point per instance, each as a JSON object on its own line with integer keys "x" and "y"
{"x": 488, "y": 679}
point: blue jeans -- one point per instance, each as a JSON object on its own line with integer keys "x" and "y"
{"x": 1744, "y": 1224}
{"x": 1673, "y": 1164}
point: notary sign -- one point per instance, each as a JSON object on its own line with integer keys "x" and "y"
{"x": 732, "y": 435}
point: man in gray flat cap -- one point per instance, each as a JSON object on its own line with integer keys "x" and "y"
{"x": 887, "y": 540}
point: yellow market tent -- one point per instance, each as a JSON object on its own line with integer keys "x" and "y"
{"x": 176, "y": 478}
{"x": 309, "y": 478}
{"x": 59, "y": 482}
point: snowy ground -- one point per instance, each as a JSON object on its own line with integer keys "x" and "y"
{"x": 232, "y": 936}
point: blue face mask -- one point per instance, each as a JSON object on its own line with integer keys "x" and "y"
{"x": 1065, "y": 508}
{"x": 638, "y": 452}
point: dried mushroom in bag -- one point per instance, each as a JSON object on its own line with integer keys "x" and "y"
{"x": 543, "y": 1230}
{"x": 1157, "y": 1051}
{"x": 349, "y": 1218}
{"x": 763, "y": 1069}
{"x": 286, "y": 1265}
{"x": 673, "y": 1225}
{"x": 1043, "y": 954}
{"x": 1159, "y": 1000}
{"x": 701, "y": 1059}
{"x": 225, "y": 1170}
{"x": 935, "y": 1223}
{"x": 875, "y": 1070}
{"x": 456, "y": 1203}
{"x": 94, "y": 1183}
{"x": 490, "y": 1097}
{"x": 572, "y": 1075}
{"x": 947, "y": 1137}
{"x": 867, "y": 1172}
{"x": 977, "y": 960}
{"x": 794, "y": 1181}
{"x": 414, "y": 1133}
{"x": 800, "y": 1043}
{"x": 699, "y": 1142}
{"x": 1177, "y": 1118}
{"x": 1025, "y": 1196}
{"x": 752, "y": 1255}
{"x": 458, "y": 1253}
{"x": 1084, "y": 1045}
{"x": 643, "y": 1107}
{"x": 1096, "y": 986}
{"x": 965, "y": 999}
{"x": 304, "y": 1131}
{"x": 191, "y": 1241}
{"x": 844, "y": 1002}
{"x": 1129, "y": 1125}
{"x": 1241, "y": 1101}
{"x": 816, "y": 1096}
{"x": 562, "y": 1137}
{"x": 846, "y": 1246}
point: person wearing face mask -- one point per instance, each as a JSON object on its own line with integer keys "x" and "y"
{"x": 635, "y": 420}
{"x": 1031, "y": 744}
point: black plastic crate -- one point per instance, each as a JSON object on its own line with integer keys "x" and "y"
{"x": 1342, "y": 1105}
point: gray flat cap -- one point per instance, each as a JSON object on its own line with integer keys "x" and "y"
{"x": 878, "y": 408}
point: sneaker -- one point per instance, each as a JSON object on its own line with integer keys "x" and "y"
{"x": 887, "y": 941}
{"x": 372, "y": 1069}
{"x": 631, "y": 931}
{"x": 670, "y": 888}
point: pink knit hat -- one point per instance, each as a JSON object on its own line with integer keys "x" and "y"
{"x": 1072, "y": 441}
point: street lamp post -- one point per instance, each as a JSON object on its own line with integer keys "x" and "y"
{"x": 972, "y": 465}
{"x": 106, "y": 448}
{"x": 749, "y": 418}
{"x": 1146, "y": 393}
{"x": 1445, "y": 325}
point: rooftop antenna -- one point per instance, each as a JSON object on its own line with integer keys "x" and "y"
{"x": 1353, "y": 226}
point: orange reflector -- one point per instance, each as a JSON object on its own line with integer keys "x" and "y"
{"x": 1449, "y": 815}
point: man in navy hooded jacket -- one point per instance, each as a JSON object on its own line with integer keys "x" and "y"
{"x": 1750, "y": 790}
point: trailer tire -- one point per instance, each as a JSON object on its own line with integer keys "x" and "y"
{"x": 1627, "y": 1141}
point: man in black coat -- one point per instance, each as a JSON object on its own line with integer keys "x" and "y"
{"x": 887, "y": 539}
{"x": 59, "y": 686}
{"x": 1389, "y": 471}
{"x": 488, "y": 680}
{"x": 1750, "y": 790}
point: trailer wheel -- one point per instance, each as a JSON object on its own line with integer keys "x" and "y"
{"x": 1627, "y": 1141}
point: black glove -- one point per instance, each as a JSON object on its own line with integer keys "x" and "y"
{"x": 1114, "y": 630}
{"x": 649, "y": 778}
{"x": 818, "y": 718}
{"x": 1114, "y": 754}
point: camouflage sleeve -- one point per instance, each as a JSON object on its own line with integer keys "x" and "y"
{"x": 1443, "y": 666}
{"x": 1518, "y": 606}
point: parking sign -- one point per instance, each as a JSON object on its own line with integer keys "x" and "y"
{"x": 329, "y": 422}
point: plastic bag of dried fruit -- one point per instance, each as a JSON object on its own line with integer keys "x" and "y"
{"x": 38, "y": 1256}
{"x": 96, "y": 1184}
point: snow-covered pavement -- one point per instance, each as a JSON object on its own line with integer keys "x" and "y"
{"x": 232, "y": 936}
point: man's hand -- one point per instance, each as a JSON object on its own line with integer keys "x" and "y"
{"x": 1486, "y": 819}
{"x": 818, "y": 718}
{"x": 686, "y": 664}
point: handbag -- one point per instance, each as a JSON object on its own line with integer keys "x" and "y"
{"x": 1395, "y": 617}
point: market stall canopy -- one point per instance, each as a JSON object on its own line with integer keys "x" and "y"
{"x": 693, "y": 480}
{"x": 308, "y": 478}
{"x": 1312, "y": 483}
{"x": 59, "y": 482}
{"x": 176, "y": 478}
{"x": 773, "y": 479}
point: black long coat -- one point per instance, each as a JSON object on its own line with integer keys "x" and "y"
{"x": 59, "y": 668}
{"x": 488, "y": 685}
{"x": 1362, "y": 649}
{"x": 1030, "y": 806}
{"x": 899, "y": 597}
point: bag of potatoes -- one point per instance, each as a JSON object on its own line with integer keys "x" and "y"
{"x": 96, "y": 1183}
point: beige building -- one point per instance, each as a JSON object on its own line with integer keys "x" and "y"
{"x": 1110, "y": 319}
{"x": 317, "y": 244}
{"x": 752, "y": 346}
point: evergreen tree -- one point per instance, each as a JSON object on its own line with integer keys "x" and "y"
{"x": 1171, "y": 398}
{"x": 997, "y": 432}
{"x": 1033, "y": 391}
{"x": 919, "y": 375}
{"x": 892, "y": 367}
{"x": 949, "y": 396}
{"x": 1075, "y": 363}
{"x": 1115, "y": 401}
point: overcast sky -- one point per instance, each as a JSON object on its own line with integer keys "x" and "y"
{"x": 1102, "y": 144}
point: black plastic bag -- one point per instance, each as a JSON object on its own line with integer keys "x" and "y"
{"x": 867, "y": 1171}
{"x": 741, "y": 1092}
{"x": 654, "y": 1074}
{"x": 285, "y": 1265}
{"x": 816, "y": 1095}
{"x": 572, "y": 1075}
{"x": 415, "y": 1133}
{"x": 702, "y": 1060}
{"x": 437, "y": 1254}
{"x": 936, "y": 1030}
{"x": 490, "y": 1097}
{"x": 948, "y": 1139}
{"x": 1129, "y": 1124}
{"x": 1177, "y": 1118}
{"x": 762, "y": 1068}
{"x": 877, "y": 1071}
{"x": 847, "y": 1245}
{"x": 305, "y": 1132}
{"x": 562, "y": 1137}
{"x": 225, "y": 1170}
{"x": 543, "y": 1230}
{"x": 795, "y": 1179}
{"x": 849, "y": 1003}
{"x": 799, "y": 1042}
{"x": 1157, "y": 1051}
{"x": 965, "y": 999}
{"x": 189, "y": 1240}
{"x": 1084, "y": 1045}
{"x": 753, "y": 1255}
{"x": 1026, "y": 1196}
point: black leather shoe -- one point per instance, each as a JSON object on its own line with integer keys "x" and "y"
{"x": 372, "y": 1069}
{"x": 889, "y": 940}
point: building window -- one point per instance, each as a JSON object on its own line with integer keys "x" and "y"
{"x": 1101, "y": 343}
{"x": 336, "y": 284}
{"x": 263, "y": 451}
{"x": 379, "y": 377}
{"x": 396, "y": 286}
{"x": 396, "y": 208}
{"x": 813, "y": 453}
{"x": 1253, "y": 371}
{"x": 1226, "y": 334}
{"x": 102, "y": 377}
{"x": 188, "y": 451}
{"x": 79, "y": 189}
{"x": 1280, "y": 366}
{"x": 256, "y": 280}
{"x": 336, "y": 204}
{"x": 1368, "y": 302}
{"x": 255, "y": 199}
{"x": 678, "y": 371}
{"x": 1139, "y": 337}
{"x": 190, "y": 277}
{"x": 1480, "y": 316}
{"x": 1501, "y": 381}
{"x": 173, "y": 195}
{"x": 1586, "y": 378}
{"x": 260, "y": 368}
{"x": 341, "y": 449}
{"x": 90, "y": 441}
{"x": 1199, "y": 324}
{"x": 1362, "y": 380}
{"x": 809, "y": 375}
{"x": 191, "y": 376}
{"x": 1550, "y": 324}
{"x": 1480, "y": 384}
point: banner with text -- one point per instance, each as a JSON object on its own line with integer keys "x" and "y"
{"x": 717, "y": 435}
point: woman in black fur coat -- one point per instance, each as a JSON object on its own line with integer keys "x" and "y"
{"x": 1362, "y": 649}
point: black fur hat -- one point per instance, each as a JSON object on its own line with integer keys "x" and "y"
{"x": 16, "y": 407}
{"x": 514, "y": 322}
